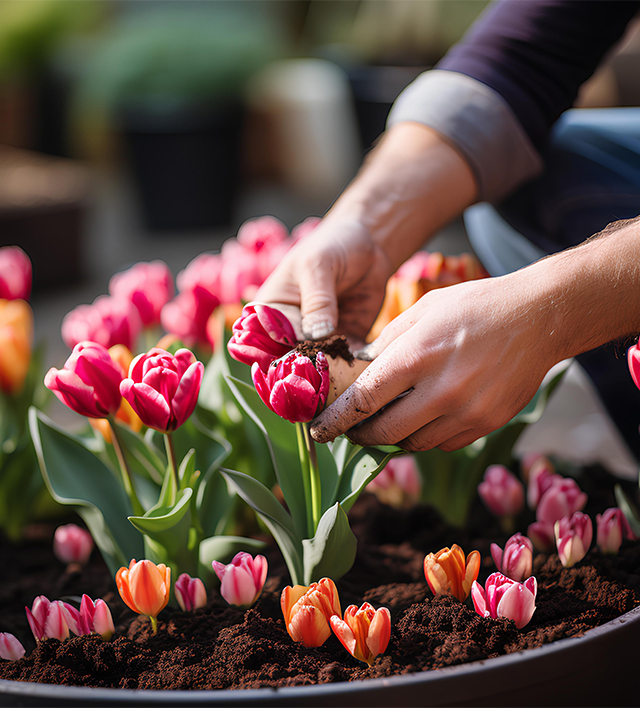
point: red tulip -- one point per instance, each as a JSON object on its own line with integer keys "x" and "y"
{"x": 503, "y": 597}
{"x": 71, "y": 544}
{"x": 149, "y": 286}
{"x": 107, "y": 321}
{"x": 89, "y": 383}
{"x": 573, "y": 538}
{"x": 163, "y": 389}
{"x": 293, "y": 387}
{"x": 363, "y": 632}
{"x": 190, "y": 592}
{"x": 516, "y": 561}
{"x": 15, "y": 274}
{"x": 187, "y": 316}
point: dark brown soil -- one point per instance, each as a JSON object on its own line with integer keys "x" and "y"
{"x": 220, "y": 647}
{"x": 335, "y": 346}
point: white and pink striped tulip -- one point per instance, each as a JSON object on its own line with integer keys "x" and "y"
{"x": 190, "y": 592}
{"x": 47, "y": 619}
{"x": 503, "y": 597}
{"x": 612, "y": 529}
{"x": 242, "y": 580}
{"x": 516, "y": 561}
{"x": 11, "y": 648}
{"x": 573, "y": 538}
{"x": 501, "y": 491}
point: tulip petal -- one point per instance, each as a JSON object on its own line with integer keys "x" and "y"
{"x": 309, "y": 626}
{"x": 342, "y": 630}
{"x": 518, "y": 604}
{"x": 238, "y": 587}
{"x": 122, "y": 583}
{"x": 379, "y": 631}
{"x": 152, "y": 409}
{"x": 186, "y": 397}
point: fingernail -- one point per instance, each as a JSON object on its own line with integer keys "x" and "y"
{"x": 316, "y": 329}
{"x": 366, "y": 353}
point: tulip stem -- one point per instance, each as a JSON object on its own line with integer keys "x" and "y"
{"x": 314, "y": 476}
{"x": 173, "y": 467}
{"x": 138, "y": 509}
{"x": 154, "y": 624}
{"x": 306, "y": 476}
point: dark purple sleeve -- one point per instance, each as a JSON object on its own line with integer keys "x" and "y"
{"x": 537, "y": 53}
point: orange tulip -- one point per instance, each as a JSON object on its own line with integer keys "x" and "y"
{"x": 16, "y": 335}
{"x": 144, "y": 587}
{"x": 447, "y": 572}
{"x": 364, "y": 632}
{"x": 308, "y": 610}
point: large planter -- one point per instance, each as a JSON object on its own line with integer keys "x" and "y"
{"x": 597, "y": 668}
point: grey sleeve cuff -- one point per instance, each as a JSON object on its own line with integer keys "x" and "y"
{"x": 478, "y": 122}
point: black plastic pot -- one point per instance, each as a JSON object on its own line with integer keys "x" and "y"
{"x": 596, "y": 669}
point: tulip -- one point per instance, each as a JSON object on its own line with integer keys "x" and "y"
{"x": 541, "y": 477}
{"x": 10, "y": 648}
{"x": 47, "y": 619}
{"x": 293, "y": 387}
{"x": 71, "y": 544}
{"x": 149, "y": 286}
{"x": 516, "y": 561}
{"x": 190, "y": 592}
{"x": 633, "y": 360}
{"x": 242, "y": 580}
{"x": 16, "y": 336}
{"x": 501, "y": 491}
{"x": 162, "y": 388}
{"x": 187, "y": 316}
{"x": 89, "y": 383}
{"x": 145, "y": 587}
{"x": 92, "y": 617}
{"x": 503, "y": 597}
{"x": 202, "y": 273}
{"x": 308, "y": 610}
{"x": 612, "y": 529}
{"x": 447, "y": 572}
{"x": 15, "y": 274}
{"x": 243, "y": 271}
{"x": 563, "y": 498}
{"x": 262, "y": 233}
{"x": 363, "y": 632}
{"x": 573, "y": 538}
{"x": 398, "y": 483}
{"x": 262, "y": 334}
{"x": 107, "y": 321}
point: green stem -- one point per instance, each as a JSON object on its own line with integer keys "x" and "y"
{"x": 303, "y": 452}
{"x": 154, "y": 624}
{"x": 173, "y": 467}
{"x": 127, "y": 481}
{"x": 314, "y": 475}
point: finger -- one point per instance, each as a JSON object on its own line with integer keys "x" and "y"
{"x": 462, "y": 440}
{"x": 390, "y": 333}
{"x": 434, "y": 434}
{"x": 318, "y": 301}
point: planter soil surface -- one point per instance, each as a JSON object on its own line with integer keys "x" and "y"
{"x": 218, "y": 647}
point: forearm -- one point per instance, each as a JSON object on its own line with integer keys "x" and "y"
{"x": 412, "y": 184}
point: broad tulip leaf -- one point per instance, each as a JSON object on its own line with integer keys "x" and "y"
{"x": 76, "y": 477}
{"x": 332, "y": 551}
{"x": 363, "y": 467}
{"x": 628, "y": 509}
{"x": 213, "y": 503}
{"x": 329, "y": 478}
{"x": 142, "y": 456}
{"x": 187, "y": 469}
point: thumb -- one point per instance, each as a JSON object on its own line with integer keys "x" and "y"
{"x": 399, "y": 325}
{"x": 318, "y": 300}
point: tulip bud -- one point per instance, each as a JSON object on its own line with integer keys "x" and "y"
{"x": 71, "y": 544}
{"x": 10, "y": 648}
{"x": 363, "y": 632}
{"x": 262, "y": 334}
{"x": 447, "y": 572}
{"x": 516, "y": 562}
{"x": 561, "y": 499}
{"x": 190, "y": 592}
{"x": 613, "y": 528}
{"x": 92, "y": 617}
{"x": 242, "y": 580}
{"x": 15, "y": 274}
{"x": 163, "y": 389}
{"x": 144, "y": 587}
{"x": 308, "y": 610}
{"x": 501, "y": 491}
{"x": 16, "y": 336}
{"x": 503, "y": 597}
{"x": 187, "y": 316}
{"x": 633, "y": 360}
{"x": 47, "y": 619}
{"x": 149, "y": 286}
{"x": 399, "y": 482}
{"x": 107, "y": 321}
{"x": 262, "y": 233}
{"x": 541, "y": 478}
{"x": 573, "y": 538}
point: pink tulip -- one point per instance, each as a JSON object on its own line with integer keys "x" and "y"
{"x": 10, "y": 648}
{"x": 242, "y": 580}
{"x": 503, "y": 597}
{"x": 303, "y": 229}
{"x": 15, "y": 274}
{"x": 633, "y": 360}
{"x": 47, "y": 619}
{"x": 573, "y": 538}
{"x": 399, "y": 481}
{"x": 71, "y": 544}
{"x": 516, "y": 561}
{"x": 293, "y": 387}
{"x": 262, "y": 334}
{"x": 107, "y": 321}
{"x": 541, "y": 476}
{"x": 187, "y": 316}
{"x": 190, "y": 592}
{"x": 613, "y": 528}
{"x": 89, "y": 383}
{"x": 501, "y": 491}
{"x": 243, "y": 271}
{"x": 261, "y": 234}
{"x": 563, "y": 498}
{"x": 93, "y": 617}
{"x": 149, "y": 286}
{"x": 162, "y": 388}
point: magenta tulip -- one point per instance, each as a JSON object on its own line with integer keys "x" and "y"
{"x": 89, "y": 383}
{"x": 71, "y": 544}
{"x": 573, "y": 538}
{"x": 503, "y": 597}
{"x": 562, "y": 498}
{"x": 47, "y": 619}
{"x": 262, "y": 233}
{"x": 293, "y": 387}
{"x": 10, "y": 648}
{"x": 149, "y": 286}
{"x": 15, "y": 274}
{"x": 613, "y": 528}
{"x": 190, "y": 592}
{"x": 633, "y": 360}
{"x": 501, "y": 491}
{"x": 516, "y": 561}
{"x": 243, "y": 271}
{"x": 107, "y": 321}
{"x": 93, "y": 617}
{"x": 187, "y": 315}
{"x": 541, "y": 476}
{"x": 162, "y": 388}
{"x": 262, "y": 334}
{"x": 242, "y": 580}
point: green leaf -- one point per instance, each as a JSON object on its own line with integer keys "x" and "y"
{"x": 76, "y": 477}
{"x": 329, "y": 477}
{"x": 143, "y": 457}
{"x": 363, "y": 467}
{"x": 628, "y": 509}
{"x": 332, "y": 551}
{"x": 213, "y": 503}
{"x": 275, "y": 518}
{"x": 223, "y": 549}
{"x": 187, "y": 469}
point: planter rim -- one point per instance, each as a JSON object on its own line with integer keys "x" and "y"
{"x": 298, "y": 693}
